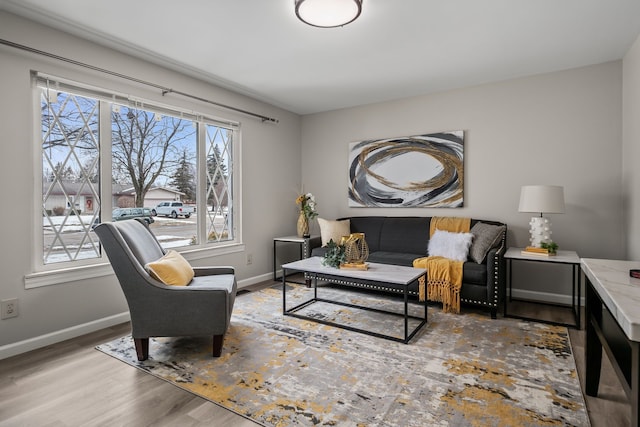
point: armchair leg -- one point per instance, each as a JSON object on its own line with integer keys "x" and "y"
{"x": 217, "y": 345}
{"x": 142, "y": 348}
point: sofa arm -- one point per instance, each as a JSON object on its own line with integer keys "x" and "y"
{"x": 496, "y": 277}
{"x": 310, "y": 244}
{"x": 211, "y": 270}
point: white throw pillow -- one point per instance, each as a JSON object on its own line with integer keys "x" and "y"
{"x": 454, "y": 246}
{"x": 333, "y": 230}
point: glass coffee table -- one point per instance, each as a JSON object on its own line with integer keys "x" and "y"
{"x": 395, "y": 276}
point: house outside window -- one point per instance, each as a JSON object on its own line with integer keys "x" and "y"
{"x": 101, "y": 151}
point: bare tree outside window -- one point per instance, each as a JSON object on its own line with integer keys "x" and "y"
{"x": 148, "y": 150}
{"x": 146, "y": 146}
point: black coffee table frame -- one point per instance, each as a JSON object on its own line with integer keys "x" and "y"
{"x": 350, "y": 280}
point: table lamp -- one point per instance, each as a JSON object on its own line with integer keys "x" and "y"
{"x": 542, "y": 199}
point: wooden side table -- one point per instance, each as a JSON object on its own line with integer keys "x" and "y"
{"x": 302, "y": 242}
{"x": 563, "y": 257}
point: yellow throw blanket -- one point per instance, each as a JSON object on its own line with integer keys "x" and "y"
{"x": 444, "y": 276}
{"x": 451, "y": 224}
{"x": 443, "y": 283}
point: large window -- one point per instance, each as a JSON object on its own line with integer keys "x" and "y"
{"x": 106, "y": 158}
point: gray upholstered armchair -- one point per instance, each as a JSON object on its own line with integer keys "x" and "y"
{"x": 157, "y": 310}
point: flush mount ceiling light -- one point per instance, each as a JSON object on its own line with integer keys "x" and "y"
{"x": 328, "y": 13}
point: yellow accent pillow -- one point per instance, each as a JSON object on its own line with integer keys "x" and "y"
{"x": 171, "y": 269}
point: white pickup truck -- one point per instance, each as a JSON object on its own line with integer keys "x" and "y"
{"x": 172, "y": 209}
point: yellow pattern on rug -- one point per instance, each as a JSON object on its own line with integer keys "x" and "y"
{"x": 281, "y": 371}
{"x": 444, "y": 275}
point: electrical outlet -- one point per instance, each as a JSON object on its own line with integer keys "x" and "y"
{"x": 9, "y": 308}
{"x": 249, "y": 259}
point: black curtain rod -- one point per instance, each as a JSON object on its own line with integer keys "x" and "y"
{"x": 163, "y": 89}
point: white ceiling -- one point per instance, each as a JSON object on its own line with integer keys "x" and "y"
{"x": 396, "y": 49}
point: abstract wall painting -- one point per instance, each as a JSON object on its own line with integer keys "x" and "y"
{"x": 413, "y": 171}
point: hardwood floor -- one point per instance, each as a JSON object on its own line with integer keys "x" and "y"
{"x": 72, "y": 384}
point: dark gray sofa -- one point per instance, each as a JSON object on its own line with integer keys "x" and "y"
{"x": 400, "y": 240}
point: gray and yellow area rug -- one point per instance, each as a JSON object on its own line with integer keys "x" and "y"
{"x": 460, "y": 370}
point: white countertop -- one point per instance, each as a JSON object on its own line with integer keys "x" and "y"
{"x": 618, "y": 291}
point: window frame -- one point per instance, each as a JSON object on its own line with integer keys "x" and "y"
{"x": 61, "y": 272}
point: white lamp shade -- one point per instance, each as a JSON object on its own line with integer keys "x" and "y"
{"x": 542, "y": 199}
{"x": 328, "y": 13}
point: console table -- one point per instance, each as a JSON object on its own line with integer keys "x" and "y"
{"x": 613, "y": 324}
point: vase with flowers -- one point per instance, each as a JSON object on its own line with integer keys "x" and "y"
{"x": 307, "y": 212}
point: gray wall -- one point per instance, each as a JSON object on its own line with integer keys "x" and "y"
{"x": 563, "y": 128}
{"x": 631, "y": 148}
{"x": 72, "y": 307}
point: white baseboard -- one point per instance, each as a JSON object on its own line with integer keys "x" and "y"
{"x": 34, "y": 343}
{"x": 253, "y": 280}
{"x": 545, "y": 297}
